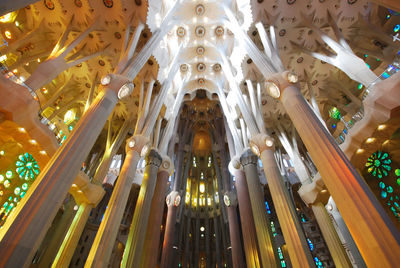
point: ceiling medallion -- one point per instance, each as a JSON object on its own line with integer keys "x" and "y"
{"x": 108, "y": 3}
{"x": 219, "y": 31}
{"x": 117, "y": 35}
{"x": 200, "y": 31}
{"x": 201, "y": 81}
{"x": 184, "y": 68}
{"x": 201, "y": 67}
{"x": 217, "y": 67}
{"x": 49, "y": 4}
{"x": 180, "y": 32}
{"x": 78, "y": 3}
{"x": 200, "y": 9}
{"x": 200, "y": 50}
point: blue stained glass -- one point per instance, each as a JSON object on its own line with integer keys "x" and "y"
{"x": 396, "y": 28}
{"x": 266, "y": 205}
{"x": 310, "y": 244}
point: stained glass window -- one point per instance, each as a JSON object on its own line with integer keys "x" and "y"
{"x": 378, "y": 164}
{"x": 27, "y": 167}
{"x": 334, "y": 113}
{"x": 12, "y": 189}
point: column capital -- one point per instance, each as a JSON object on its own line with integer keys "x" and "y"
{"x": 85, "y": 192}
{"x": 173, "y": 199}
{"x": 120, "y": 85}
{"x": 261, "y": 142}
{"x": 153, "y": 158}
{"x": 234, "y": 165}
{"x": 166, "y": 165}
{"x": 314, "y": 192}
{"x": 139, "y": 144}
{"x": 277, "y": 83}
{"x": 248, "y": 158}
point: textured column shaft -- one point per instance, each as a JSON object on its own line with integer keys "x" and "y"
{"x": 27, "y": 225}
{"x": 167, "y": 251}
{"x": 372, "y": 230}
{"x": 234, "y": 234}
{"x": 331, "y": 238}
{"x": 57, "y": 237}
{"x": 151, "y": 244}
{"x": 101, "y": 250}
{"x": 247, "y": 221}
{"x": 299, "y": 252}
{"x": 236, "y": 244}
{"x": 345, "y": 236}
{"x": 257, "y": 201}
{"x": 137, "y": 231}
{"x": 71, "y": 240}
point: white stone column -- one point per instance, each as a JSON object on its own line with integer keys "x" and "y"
{"x": 299, "y": 252}
{"x": 372, "y": 229}
{"x": 101, "y": 250}
{"x": 152, "y": 238}
{"x": 246, "y": 215}
{"x": 315, "y": 196}
{"x": 25, "y": 228}
{"x": 137, "y": 232}
{"x": 87, "y": 196}
{"x": 265, "y": 243}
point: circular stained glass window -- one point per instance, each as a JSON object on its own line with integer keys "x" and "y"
{"x": 27, "y": 167}
{"x": 378, "y": 164}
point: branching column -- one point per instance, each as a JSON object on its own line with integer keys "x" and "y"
{"x": 246, "y": 215}
{"x": 134, "y": 244}
{"x": 87, "y": 196}
{"x": 373, "y": 231}
{"x": 173, "y": 206}
{"x": 22, "y": 233}
{"x": 315, "y": 196}
{"x": 101, "y": 250}
{"x": 151, "y": 244}
{"x": 249, "y": 162}
{"x": 292, "y": 232}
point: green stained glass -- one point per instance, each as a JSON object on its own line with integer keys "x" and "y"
{"x": 9, "y": 174}
{"x": 378, "y": 164}
{"x": 25, "y": 186}
{"x": 383, "y": 194}
{"x": 27, "y": 167}
{"x": 17, "y": 190}
{"x": 397, "y": 172}
{"x": 334, "y": 113}
{"x": 398, "y": 181}
{"x": 382, "y": 185}
{"x": 7, "y": 183}
{"x": 389, "y": 189}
